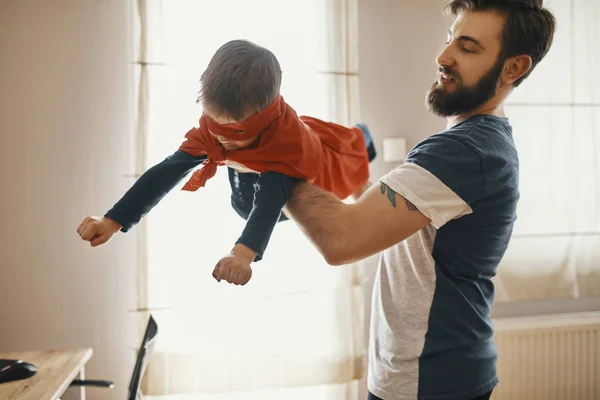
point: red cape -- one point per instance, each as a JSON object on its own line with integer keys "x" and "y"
{"x": 328, "y": 155}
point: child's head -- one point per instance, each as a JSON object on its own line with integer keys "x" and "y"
{"x": 241, "y": 80}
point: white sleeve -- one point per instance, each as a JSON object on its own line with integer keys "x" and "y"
{"x": 429, "y": 194}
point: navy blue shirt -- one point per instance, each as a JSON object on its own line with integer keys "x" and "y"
{"x": 258, "y": 198}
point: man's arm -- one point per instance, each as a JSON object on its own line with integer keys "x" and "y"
{"x": 344, "y": 233}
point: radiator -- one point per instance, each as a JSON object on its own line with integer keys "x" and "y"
{"x": 554, "y": 357}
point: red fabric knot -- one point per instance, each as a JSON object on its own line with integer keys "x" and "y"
{"x": 216, "y": 156}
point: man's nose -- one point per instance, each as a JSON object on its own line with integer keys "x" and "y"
{"x": 445, "y": 58}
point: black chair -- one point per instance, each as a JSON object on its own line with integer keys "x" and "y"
{"x": 141, "y": 363}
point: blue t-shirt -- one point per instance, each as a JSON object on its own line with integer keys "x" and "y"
{"x": 258, "y": 198}
{"x": 431, "y": 333}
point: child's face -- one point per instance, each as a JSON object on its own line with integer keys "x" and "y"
{"x": 228, "y": 144}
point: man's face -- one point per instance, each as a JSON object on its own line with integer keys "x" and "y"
{"x": 470, "y": 65}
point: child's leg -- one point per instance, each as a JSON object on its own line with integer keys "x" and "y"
{"x": 368, "y": 141}
{"x": 372, "y": 154}
{"x": 242, "y": 193}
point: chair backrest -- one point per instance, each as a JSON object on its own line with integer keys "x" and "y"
{"x": 142, "y": 359}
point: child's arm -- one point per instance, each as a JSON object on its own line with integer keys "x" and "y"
{"x": 151, "y": 187}
{"x": 270, "y": 198}
{"x": 146, "y": 192}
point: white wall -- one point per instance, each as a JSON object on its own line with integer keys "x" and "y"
{"x": 65, "y": 133}
{"x": 398, "y": 44}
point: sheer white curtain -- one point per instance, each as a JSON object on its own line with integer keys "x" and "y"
{"x": 295, "y": 330}
{"x": 555, "y": 113}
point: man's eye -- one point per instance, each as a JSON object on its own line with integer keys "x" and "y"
{"x": 466, "y": 50}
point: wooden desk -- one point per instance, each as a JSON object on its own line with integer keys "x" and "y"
{"x": 56, "y": 371}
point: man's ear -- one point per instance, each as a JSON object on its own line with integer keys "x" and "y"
{"x": 515, "y": 68}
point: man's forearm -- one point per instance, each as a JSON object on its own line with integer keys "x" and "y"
{"x": 322, "y": 218}
{"x": 345, "y": 233}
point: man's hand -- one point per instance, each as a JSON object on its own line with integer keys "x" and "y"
{"x": 235, "y": 267}
{"x": 97, "y": 230}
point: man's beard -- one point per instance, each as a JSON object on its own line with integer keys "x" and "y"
{"x": 463, "y": 99}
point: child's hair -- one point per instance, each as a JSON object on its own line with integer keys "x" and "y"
{"x": 241, "y": 78}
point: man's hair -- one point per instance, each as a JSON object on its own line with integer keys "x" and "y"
{"x": 241, "y": 78}
{"x": 529, "y": 27}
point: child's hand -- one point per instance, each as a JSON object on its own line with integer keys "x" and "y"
{"x": 235, "y": 267}
{"x": 98, "y": 230}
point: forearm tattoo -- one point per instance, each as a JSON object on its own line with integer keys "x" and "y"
{"x": 391, "y": 195}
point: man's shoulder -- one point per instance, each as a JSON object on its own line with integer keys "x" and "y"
{"x": 482, "y": 140}
{"x": 472, "y": 159}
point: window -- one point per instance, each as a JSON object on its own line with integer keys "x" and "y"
{"x": 555, "y": 115}
{"x": 298, "y": 322}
